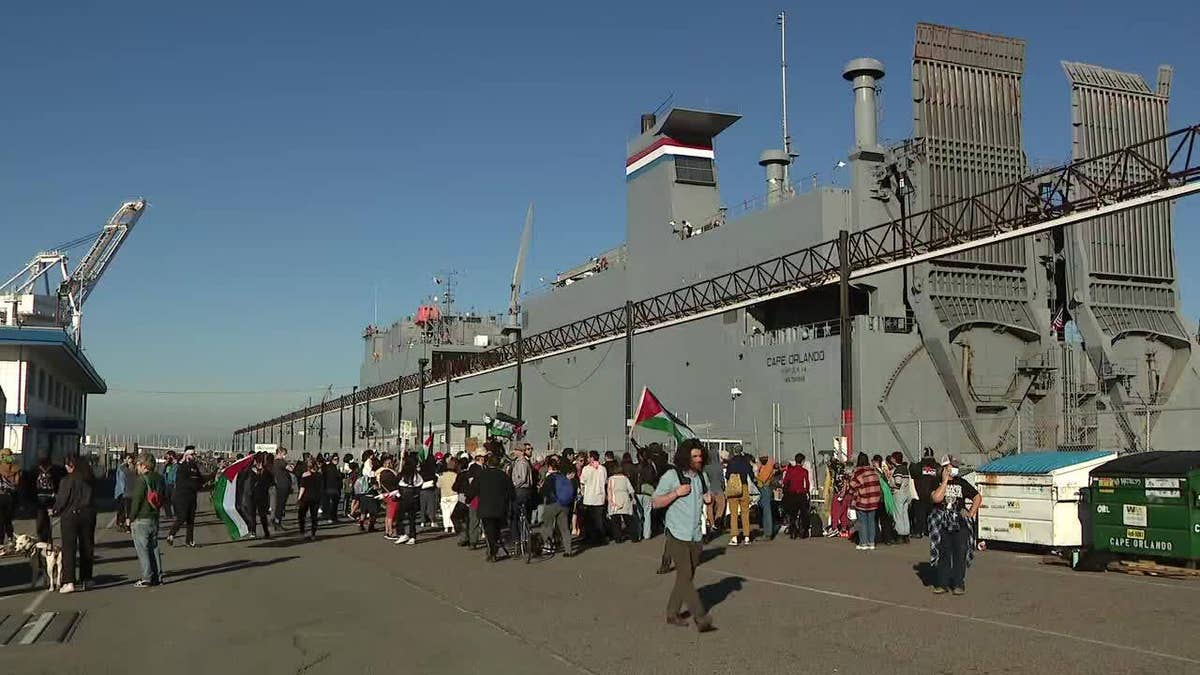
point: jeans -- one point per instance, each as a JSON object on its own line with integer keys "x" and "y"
{"x": 8, "y": 503}
{"x": 866, "y": 527}
{"x": 686, "y": 556}
{"x": 646, "y": 513}
{"x": 447, "y": 509}
{"x": 429, "y": 505}
{"x": 766, "y": 509}
{"x": 952, "y": 559}
{"x": 281, "y": 497}
{"x": 145, "y": 542}
{"x": 739, "y": 511}
{"x": 78, "y": 543}
{"x": 557, "y": 517}
{"x": 185, "y": 513}
{"x": 307, "y": 509}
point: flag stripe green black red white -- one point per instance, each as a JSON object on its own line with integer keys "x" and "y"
{"x": 224, "y": 497}
{"x": 652, "y": 415}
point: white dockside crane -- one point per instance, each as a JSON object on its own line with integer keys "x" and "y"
{"x": 26, "y": 302}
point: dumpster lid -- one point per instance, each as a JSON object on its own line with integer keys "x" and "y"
{"x": 1155, "y": 463}
{"x": 1041, "y": 463}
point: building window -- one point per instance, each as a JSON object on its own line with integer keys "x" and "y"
{"x": 697, "y": 170}
{"x": 42, "y": 385}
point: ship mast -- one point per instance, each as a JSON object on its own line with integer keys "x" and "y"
{"x": 781, "y": 20}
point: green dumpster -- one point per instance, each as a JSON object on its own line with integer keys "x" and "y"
{"x": 1147, "y": 504}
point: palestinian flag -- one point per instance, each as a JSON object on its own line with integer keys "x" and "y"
{"x": 224, "y": 496}
{"x": 652, "y": 415}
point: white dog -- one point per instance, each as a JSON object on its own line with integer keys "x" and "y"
{"x": 45, "y": 561}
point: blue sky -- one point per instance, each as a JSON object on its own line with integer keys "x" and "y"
{"x": 298, "y": 155}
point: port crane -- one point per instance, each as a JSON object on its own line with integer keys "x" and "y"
{"x": 26, "y": 298}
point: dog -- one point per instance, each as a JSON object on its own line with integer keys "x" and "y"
{"x": 45, "y": 561}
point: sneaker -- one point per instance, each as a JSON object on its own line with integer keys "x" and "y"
{"x": 142, "y": 583}
{"x": 191, "y": 544}
{"x": 390, "y": 537}
{"x": 250, "y": 536}
{"x": 402, "y": 539}
{"x": 938, "y": 590}
{"x": 67, "y": 588}
{"x": 746, "y": 541}
{"x": 870, "y": 547}
{"x": 170, "y": 540}
{"x": 959, "y": 591}
{"x": 860, "y": 547}
{"x": 412, "y": 542}
{"x": 733, "y": 541}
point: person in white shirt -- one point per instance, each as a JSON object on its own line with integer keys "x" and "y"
{"x": 592, "y": 482}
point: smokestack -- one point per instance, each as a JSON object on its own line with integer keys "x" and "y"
{"x": 776, "y": 163}
{"x": 648, "y": 121}
{"x": 864, "y": 73}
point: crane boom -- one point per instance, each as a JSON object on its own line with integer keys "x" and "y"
{"x": 514, "y": 299}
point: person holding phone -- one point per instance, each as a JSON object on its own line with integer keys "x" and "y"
{"x": 952, "y": 529}
{"x": 683, "y": 492}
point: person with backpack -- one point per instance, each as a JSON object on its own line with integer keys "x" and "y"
{"x": 739, "y": 473}
{"x": 683, "y": 492}
{"x": 147, "y": 495}
{"x": 45, "y": 485}
{"x": 558, "y": 494}
{"x": 75, "y": 505}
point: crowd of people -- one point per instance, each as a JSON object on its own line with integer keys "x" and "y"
{"x": 497, "y": 499}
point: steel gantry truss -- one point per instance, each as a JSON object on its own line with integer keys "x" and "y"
{"x": 1078, "y": 191}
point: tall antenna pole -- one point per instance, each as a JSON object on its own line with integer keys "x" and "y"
{"x": 781, "y": 20}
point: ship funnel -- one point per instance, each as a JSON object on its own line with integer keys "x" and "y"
{"x": 864, "y": 73}
{"x": 648, "y": 121}
{"x": 776, "y": 163}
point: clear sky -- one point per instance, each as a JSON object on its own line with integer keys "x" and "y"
{"x": 299, "y": 155}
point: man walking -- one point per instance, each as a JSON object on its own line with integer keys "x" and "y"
{"x": 592, "y": 482}
{"x": 146, "y": 497}
{"x": 283, "y": 486}
{"x": 188, "y": 482}
{"x": 168, "y": 474}
{"x": 684, "y": 493}
{"x": 738, "y": 475}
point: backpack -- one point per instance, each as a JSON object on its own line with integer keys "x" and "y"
{"x": 154, "y": 497}
{"x": 734, "y": 489}
{"x": 362, "y": 485}
{"x": 564, "y": 491}
{"x": 44, "y": 484}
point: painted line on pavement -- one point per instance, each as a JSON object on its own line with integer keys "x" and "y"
{"x": 950, "y": 615}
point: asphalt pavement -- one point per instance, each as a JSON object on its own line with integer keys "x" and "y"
{"x": 352, "y": 602}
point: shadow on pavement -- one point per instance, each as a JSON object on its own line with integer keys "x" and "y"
{"x": 925, "y": 573}
{"x": 713, "y": 594}
{"x": 189, "y": 574}
{"x": 290, "y": 540}
{"x": 709, "y": 553}
{"x": 15, "y": 576}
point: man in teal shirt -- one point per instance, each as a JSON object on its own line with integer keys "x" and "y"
{"x": 683, "y": 492}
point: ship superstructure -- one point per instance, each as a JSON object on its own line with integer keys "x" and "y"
{"x": 1070, "y": 337}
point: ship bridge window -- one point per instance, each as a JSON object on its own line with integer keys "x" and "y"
{"x": 696, "y": 170}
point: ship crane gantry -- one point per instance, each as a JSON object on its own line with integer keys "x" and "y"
{"x": 22, "y": 304}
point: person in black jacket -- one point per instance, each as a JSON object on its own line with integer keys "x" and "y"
{"x": 283, "y": 486}
{"x": 331, "y": 480}
{"x": 261, "y": 481}
{"x": 494, "y": 489}
{"x": 462, "y": 485}
{"x": 188, "y": 482}
{"x": 75, "y": 504}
